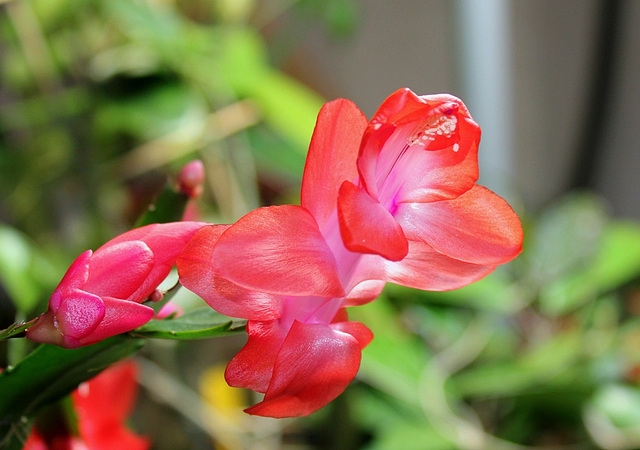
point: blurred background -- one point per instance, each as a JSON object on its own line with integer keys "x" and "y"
{"x": 102, "y": 102}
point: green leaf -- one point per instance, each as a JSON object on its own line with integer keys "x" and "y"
{"x": 612, "y": 417}
{"x": 200, "y": 323}
{"x": 616, "y": 263}
{"x": 565, "y": 238}
{"x": 48, "y": 374}
{"x": 168, "y": 207}
{"x": 16, "y": 261}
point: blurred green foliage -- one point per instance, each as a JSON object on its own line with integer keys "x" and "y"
{"x": 99, "y": 100}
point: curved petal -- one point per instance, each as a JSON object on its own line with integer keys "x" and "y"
{"x": 120, "y": 316}
{"x": 119, "y": 270}
{"x": 424, "y": 268}
{"x": 367, "y": 227}
{"x": 419, "y": 149}
{"x": 75, "y": 277}
{"x": 102, "y": 405}
{"x": 166, "y": 241}
{"x": 332, "y": 156}
{"x": 278, "y": 249}
{"x": 478, "y": 227}
{"x": 313, "y": 367}
{"x": 94, "y": 400}
{"x": 196, "y": 272}
{"x": 252, "y": 367}
{"x": 364, "y": 292}
{"x": 79, "y": 314}
{"x": 358, "y": 330}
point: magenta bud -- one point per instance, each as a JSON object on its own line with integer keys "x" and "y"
{"x": 156, "y": 296}
{"x": 191, "y": 179}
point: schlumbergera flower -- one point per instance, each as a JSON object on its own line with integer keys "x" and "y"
{"x": 101, "y": 294}
{"x": 395, "y": 200}
{"x": 101, "y": 406}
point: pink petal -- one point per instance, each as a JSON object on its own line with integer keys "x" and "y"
{"x": 314, "y": 366}
{"x": 75, "y": 277}
{"x": 367, "y": 227}
{"x": 363, "y": 335}
{"x": 424, "y": 268}
{"x": 332, "y": 156}
{"x": 120, "y": 316}
{"x": 118, "y": 270}
{"x": 166, "y": 241}
{"x": 478, "y": 227}
{"x": 279, "y": 250}
{"x": 364, "y": 292}
{"x": 79, "y": 314}
{"x": 252, "y": 367}
{"x": 195, "y": 268}
{"x": 397, "y": 157}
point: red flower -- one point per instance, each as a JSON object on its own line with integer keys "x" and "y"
{"x": 102, "y": 405}
{"x": 392, "y": 200}
{"x": 101, "y": 293}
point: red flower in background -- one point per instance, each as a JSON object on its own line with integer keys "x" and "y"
{"x": 102, "y": 406}
{"x": 391, "y": 200}
{"x": 101, "y": 293}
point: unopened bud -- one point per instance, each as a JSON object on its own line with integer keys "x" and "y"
{"x": 191, "y": 179}
{"x": 156, "y": 296}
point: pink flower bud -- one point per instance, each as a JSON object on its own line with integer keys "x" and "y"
{"x": 191, "y": 179}
{"x": 101, "y": 293}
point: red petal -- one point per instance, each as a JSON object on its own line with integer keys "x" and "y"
{"x": 95, "y": 400}
{"x": 332, "y": 156}
{"x": 478, "y": 227}
{"x": 314, "y": 366}
{"x": 367, "y": 227}
{"x": 364, "y": 292}
{"x": 252, "y": 367}
{"x": 75, "y": 277}
{"x": 102, "y": 405}
{"x": 363, "y": 335}
{"x": 120, "y": 316}
{"x": 166, "y": 241}
{"x": 392, "y": 149}
{"x": 119, "y": 270}
{"x": 424, "y": 268}
{"x": 195, "y": 268}
{"x": 280, "y": 250}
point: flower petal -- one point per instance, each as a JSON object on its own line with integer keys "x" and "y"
{"x": 79, "y": 314}
{"x": 419, "y": 149}
{"x": 166, "y": 241}
{"x": 424, "y": 268}
{"x": 279, "y": 250}
{"x": 332, "y": 156}
{"x": 75, "y": 277}
{"x": 195, "y": 268}
{"x": 363, "y": 335}
{"x": 252, "y": 367}
{"x": 364, "y": 292}
{"x": 314, "y": 366}
{"x": 478, "y": 227}
{"x": 120, "y": 316}
{"x": 118, "y": 270}
{"x": 367, "y": 227}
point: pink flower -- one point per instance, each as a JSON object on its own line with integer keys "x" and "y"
{"x": 390, "y": 200}
{"x": 101, "y": 294}
{"x": 102, "y": 405}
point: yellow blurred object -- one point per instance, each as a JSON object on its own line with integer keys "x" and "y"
{"x": 218, "y": 394}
